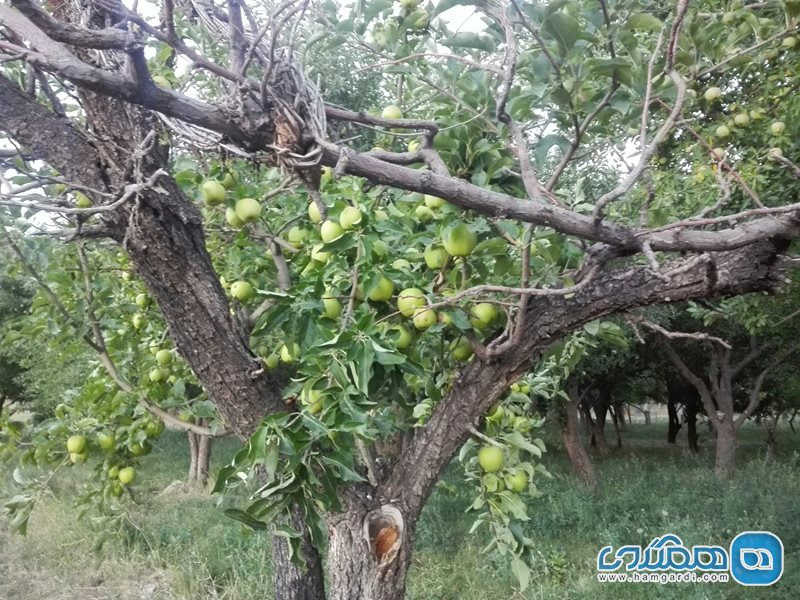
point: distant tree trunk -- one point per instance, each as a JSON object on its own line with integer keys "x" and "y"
{"x": 725, "y": 461}
{"x": 617, "y": 419}
{"x": 791, "y": 420}
{"x": 692, "y": 406}
{"x": 191, "y": 478}
{"x": 673, "y": 422}
{"x": 599, "y": 422}
{"x": 578, "y": 457}
{"x": 770, "y": 433}
{"x": 199, "y": 458}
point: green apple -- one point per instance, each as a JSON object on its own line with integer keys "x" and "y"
{"x": 142, "y": 449}
{"x": 719, "y": 153}
{"x": 522, "y": 424}
{"x": 137, "y": 321}
{"x": 142, "y": 301}
{"x": 420, "y": 19}
{"x": 313, "y": 212}
{"x": 392, "y": 112}
{"x": 460, "y": 240}
{"x": 350, "y": 217}
{"x": 320, "y": 256}
{"x": 127, "y": 475}
{"x": 332, "y": 307}
{"x": 491, "y": 458}
{"x": 242, "y": 290}
{"x": 213, "y": 192}
{"x": 742, "y": 119}
{"x": 297, "y": 236}
{"x": 157, "y": 375}
{"x": 82, "y": 200}
{"x": 164, "y": 357}
{"x": 248, "y": 209}
{"x": 400, "y": 336}
{"x": 162, "y": 82}
{"x": 105, "y": 441}
{"x": 113, "y": 472}
{"x": 401, "y": 264}
{"x": 290, "y": 354}
{"x": 413, "y": 145}
{"x": 423, "y": 213}
{"x": 445, "y": 318}
{"x": 433, "y": 201}
{"x": 409, "y": 300}
{"x": 461, "y": 349}
{"x": 728, "y": 18}
{"x": 76, "y": 444}
{"x": 778, "y": 127}
{"x": 789, "y": 42}
{"x": 78, "y": 457}
{"x": 517, "y": 481}
{"x": 424, "y": 318}
{"x": 271, "y": 361}
{"x": 380, "y": 248}
{"x": 330, "y": 231}
{"x": 722, "y": 131}
{"x": 154, "y": 427}
{"x": 482, "y": 315}
{"x": 712, "y": 93}
{"x": 230, "y": 180}
{"x": 383, "y": 290}
{"x": 325, "y": 176}
{"x": 435, "y": 258}
{"x": 496, "y": 413}
{"x": 232, "y": 218}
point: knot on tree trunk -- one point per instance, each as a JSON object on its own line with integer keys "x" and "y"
{"x": 383, "y": 531}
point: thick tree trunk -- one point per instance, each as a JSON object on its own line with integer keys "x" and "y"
{"x": 578, "y": 458}
{"x": 725, "y": 460}
{"x": 599, "y": 429}
{"x": 293, "y": 582}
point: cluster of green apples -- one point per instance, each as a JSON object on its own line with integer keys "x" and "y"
{"x": 501, "y": 469}
{"x": 738, "y": 122}
{"x": 238, "y": 213}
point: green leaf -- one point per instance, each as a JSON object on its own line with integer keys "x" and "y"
{"x": 565, "y": 29}
{"x": 245, "y": 519}
{"x": 644, "y": 22}
{"x": 521, "y": 571}
{"x": 470, "y": 40}
{"x": 592, "y": 327}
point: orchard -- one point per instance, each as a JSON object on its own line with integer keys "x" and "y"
{"x": 364, "y": 241}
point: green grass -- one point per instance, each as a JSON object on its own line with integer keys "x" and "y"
{"x": 181, "y": 546}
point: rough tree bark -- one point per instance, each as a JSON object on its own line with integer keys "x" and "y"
{"x": 578, "y": 458}
{"x": 163, "y": 235}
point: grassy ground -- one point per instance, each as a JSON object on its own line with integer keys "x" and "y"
{"x": 180, "y": 546}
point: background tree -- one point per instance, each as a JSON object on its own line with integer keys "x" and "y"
{"x": 126, "y": 110}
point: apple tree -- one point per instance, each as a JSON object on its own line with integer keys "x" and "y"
{"x": 355, "y": 226}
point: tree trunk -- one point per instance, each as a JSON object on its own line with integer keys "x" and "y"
{"x": 599, "y": 429}
{"x": 674, "y": 423}
{"x": 191, "y": 478}
{"x": 770, "y": 434}
{"x": 725, "y": 460}
{"x": 691, "y": 425}
{"x": 293, "y": 582}
{"x": 578, "y": 457}
{"x": 616, "y": 419}
{"x": 203, "y": 460}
